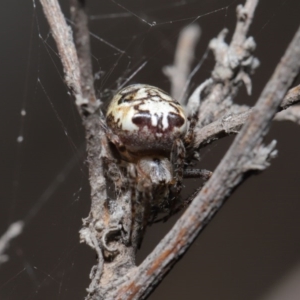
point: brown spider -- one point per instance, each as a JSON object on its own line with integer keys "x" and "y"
{"x": 151, "y": 133}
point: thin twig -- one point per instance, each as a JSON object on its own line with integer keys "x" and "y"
{"x": 106, "y": 215}
{"x": 99, "y": 220}
{"x": 62, "y": 35}
{"x": 184, "y": 56}
{"x": 82, "y": 42}
{"x": 195, "y": 98}
{"x": 245, "y": 154}
{"x": 232, "y": 123}
{"x": 234, "y": 64}
{"x": 246, "y": 13}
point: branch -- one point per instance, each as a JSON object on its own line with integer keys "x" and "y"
{"x": 184, "y": 56}
{"x": 78, "y": 73}
{"x": 62, "y": 35}
{"x": 106, "y": 214}
{"x": 79, "y": 79}
{"x": 104, "y": 217}
{"x": 245, "y": 154}
{"x": 245, "y": 14}
{"x": 232, "y": 123}
{"x": 82, "y": 42}
{"x": 234, "y": 64}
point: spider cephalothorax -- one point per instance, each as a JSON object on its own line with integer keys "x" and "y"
{"x": 148, "y": 128}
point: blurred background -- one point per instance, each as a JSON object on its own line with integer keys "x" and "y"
{"x": 251, "y": 249}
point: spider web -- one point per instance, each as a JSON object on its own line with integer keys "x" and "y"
{"x": 45, "y": 178}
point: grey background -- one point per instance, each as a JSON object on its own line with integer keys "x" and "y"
{"x": 251, "y": 243}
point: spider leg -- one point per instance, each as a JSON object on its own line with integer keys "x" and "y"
{"x": 197, "y": 173}
{"x": 187, "y": 173}
{"x": 137, "y": 219}
{"x": 189, "y": 138}
{"x": 177, "y": 160}
{"x": 141, "y": 197}
{"x": 192, "y": 173}
{"x": 114, "y": 138}
{"x": 141, "y": 215}
{"x": 184, "y": 204}
{"x": 134, "y": 204}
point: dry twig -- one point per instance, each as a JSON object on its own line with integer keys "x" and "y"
{"x": 62, "y": 35}
{"x": 234, "y": 64}
{"x": 232, "y": 123}
{"x": 184, "y": 56}
{"x": 106, "y": 214}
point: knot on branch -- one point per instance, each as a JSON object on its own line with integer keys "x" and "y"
{"x": 99, "y": 236}
{"x": 110, "y": 234}
{"x": 225, "y": 124}
{"x": 235, "y": 61}
{"x": 242, "y": 13}
{"x": 87, "y": 106}
{"x": 114, "y": 174}
{"x": 261, "y": 157}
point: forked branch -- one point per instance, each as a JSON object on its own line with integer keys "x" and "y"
{"x": 232, "y": 123}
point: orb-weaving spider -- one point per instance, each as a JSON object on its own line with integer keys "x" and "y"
{"x": 151, "y": 133}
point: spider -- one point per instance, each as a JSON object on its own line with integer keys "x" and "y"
{"x": 152, "y": 136}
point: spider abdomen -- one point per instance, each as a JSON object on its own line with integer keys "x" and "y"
{"x": 146, "y": 120}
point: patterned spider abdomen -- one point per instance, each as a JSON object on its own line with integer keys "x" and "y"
{"x": 146, "y": 120}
